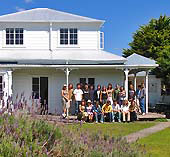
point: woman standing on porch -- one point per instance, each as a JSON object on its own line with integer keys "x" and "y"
{"x": 110, "y": 92}
{"x": 122, "y": 95}
{"x": 103, "y": 95}
{"x": 64, "y": 94}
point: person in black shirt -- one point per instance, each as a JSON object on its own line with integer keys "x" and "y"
{"x": 97, "y": 94}
{"x": 91, "y": 93}
{"x": 86, "y": 93}
{"x": 132, "y": 93}
{"x": 103, "y": 95}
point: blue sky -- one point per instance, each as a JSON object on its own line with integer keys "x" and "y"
{"x": 123, "y": 17}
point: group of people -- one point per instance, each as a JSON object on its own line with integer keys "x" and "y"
{"x": 103, "y": 103}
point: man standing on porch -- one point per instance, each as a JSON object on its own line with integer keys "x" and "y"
{"x": 78, "y": 93}
{"x": 142, "y": 98}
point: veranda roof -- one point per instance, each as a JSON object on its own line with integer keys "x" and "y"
{"x": 74, "y": 56}
{"x": 139, "y": 63}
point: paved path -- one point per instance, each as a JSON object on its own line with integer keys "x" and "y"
{"x": 146, "y": 132}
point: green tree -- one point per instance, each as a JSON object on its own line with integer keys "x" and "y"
{"x": 153, "y": 41}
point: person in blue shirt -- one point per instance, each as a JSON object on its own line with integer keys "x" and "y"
{"x": 97, "y": 110}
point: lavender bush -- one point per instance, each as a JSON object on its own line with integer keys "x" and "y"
{"x": 23, "y": 134}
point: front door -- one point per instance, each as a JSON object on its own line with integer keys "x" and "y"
{"x": 44, "y": 89}
{"x": 40, "y": 89}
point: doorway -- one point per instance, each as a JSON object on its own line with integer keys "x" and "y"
{"x": 40, "y": 89}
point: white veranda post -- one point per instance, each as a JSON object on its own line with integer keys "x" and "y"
{"x": 147, "y": 90}
{"x": 67, "y": 72}
{"x": 135, "y": 82}
{"x": 126, "y": 71}
{"x": 10, "y": 92}
{"x": 7, "y": 79}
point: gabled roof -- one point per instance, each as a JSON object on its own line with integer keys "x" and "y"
{"x": 136, "y": 59}
{"x": 45, "y": 15}
{"x": 60, "y": 56}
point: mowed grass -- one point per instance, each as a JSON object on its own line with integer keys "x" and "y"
{"x": 157, "y": 144}
{"x": 112, "y": 129}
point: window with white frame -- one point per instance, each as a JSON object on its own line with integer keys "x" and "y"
{"x": 35, "y": 87}
{"x": 68, "y": 36}
{"x": 1, "y": 87}
{"x": 14, "y": 36}
{"x": 101, "y": 40}
{"x": 89, "y": 81}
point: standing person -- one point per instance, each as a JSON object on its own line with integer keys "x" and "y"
{"x": 64, "y": 94}
{"x": 116, "y": 93}
{"x": 131, "y": 93}
{"x": 110, "y": 92}
{"x": 78, "y": 94}
{"x": 116, "y": 112}
{"x": 142, "y": 98}
{"x": 122, "y": 95}
{"x": 138, "y": 91}
{"x": 103, "y": 95}
{"x": 70, "y": 97}
{"x": 91, "y": 93}
{"x": 86, "y": 92}
{"x": 97, "y": 93}
{"x": 107, "y": 111}
{"x": 89, "y": 109}
{"x": 125, "y": 110}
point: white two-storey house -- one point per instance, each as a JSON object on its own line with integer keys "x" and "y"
{"x": 41, "y": 49}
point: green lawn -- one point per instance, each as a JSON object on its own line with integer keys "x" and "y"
{"x": 157, "y": 144}
{"x": 113, "y": 129}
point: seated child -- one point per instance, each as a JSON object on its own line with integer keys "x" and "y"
{"x": 97, "y": 112}
{"x": 125, "y": 110}
{"x": 107, "y": 111}
{"x": 82, "y": 115}
{"x": 132, "y": 109}
{"x": 89, "y": 109}
{"x": 116, "y": 111}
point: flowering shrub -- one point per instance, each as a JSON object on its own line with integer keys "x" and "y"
{"x": 21, "y": 136}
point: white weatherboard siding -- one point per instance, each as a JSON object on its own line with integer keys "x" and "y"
{"x": 154, "y": 90}
{"x": 36, "y": 35}
{"x": 22, "y": 82}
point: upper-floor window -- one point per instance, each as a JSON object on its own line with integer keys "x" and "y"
{"x": 101, "y": 40}
{"x": 68, "y": 36}
{"x": 14, "y": 36}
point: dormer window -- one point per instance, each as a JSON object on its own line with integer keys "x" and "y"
{"x": 14, "y": 36}
{"x": 68, "y": 36}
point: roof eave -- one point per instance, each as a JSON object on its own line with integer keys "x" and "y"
{"x": 59, "y": 21}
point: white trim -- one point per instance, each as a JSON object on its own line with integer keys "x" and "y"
{"x": 69, "y": 45}
{"x": 126, "y": 71}
{"x": 147, "y": 90}
{"x": 4, "y": 45}
{"x": 50, "y": 36}
{"x": 77, "y": 66}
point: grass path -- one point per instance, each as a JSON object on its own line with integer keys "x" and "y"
{"x": 147, "y": 131}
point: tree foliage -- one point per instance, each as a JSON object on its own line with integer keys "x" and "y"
{"x": 153, "y": 41}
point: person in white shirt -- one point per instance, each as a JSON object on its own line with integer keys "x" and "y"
{"x": 125, "y": 110}
{"x": 116, "y": 111}
{"x": 78, "y": 94}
